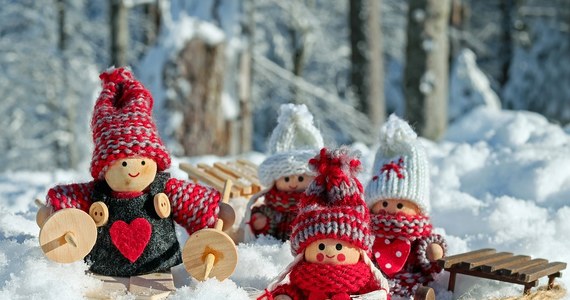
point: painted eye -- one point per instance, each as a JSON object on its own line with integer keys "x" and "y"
{"x": 385, "y": 203}
{"x": 143, "y": 163}
{"x": 338, "y": 247}
{"x": 322, "y": 246}
{"x": 301, "y": 179}
{"x": 400, "y": 205}
{"x": 286, "y": 179}
{"x": 124, "y": 164}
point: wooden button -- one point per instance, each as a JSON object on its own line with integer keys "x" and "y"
{"x": 99, "y": 213}
{"x": 162, "y": 205}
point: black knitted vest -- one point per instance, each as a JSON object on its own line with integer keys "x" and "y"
{"x": 162, "y": 251}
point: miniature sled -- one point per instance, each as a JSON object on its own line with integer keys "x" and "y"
{"x": 502, "y": 266}
{"x": 242, "y": 173}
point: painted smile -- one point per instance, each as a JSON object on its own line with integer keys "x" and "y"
{"x": 133, "y": 176}
{"x": 293, "y": 187}
{"x": 330, "y": 256}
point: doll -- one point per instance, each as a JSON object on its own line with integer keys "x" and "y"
{"x": 136, "y": 233}
{"x": 405, "y": 248}
{"x": 331, "y": 238}
{"x": 285, "y": 173}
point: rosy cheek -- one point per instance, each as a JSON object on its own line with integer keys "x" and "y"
{"x": 341, "y": 257}
{"x": 320, "y": 257}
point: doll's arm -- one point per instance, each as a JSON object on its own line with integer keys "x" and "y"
{"x": 259, "y": 221}
{"x": 288, "y": 290}
{"x": 194, "y": 206}
{"x": 77, "y": 195}
{"x": 429, "y": 247}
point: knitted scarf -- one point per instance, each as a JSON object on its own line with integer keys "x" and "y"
{"x": 394, "y": 235}
{"x": 400, "y": 226}
{"x": 322, "y": 281}
{"x": 282, "y": 201}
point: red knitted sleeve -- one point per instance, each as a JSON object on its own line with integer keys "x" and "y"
{"x": 194, "y": 207}
{"x": 427, "y": 266}
{"x": 76, "y": 195}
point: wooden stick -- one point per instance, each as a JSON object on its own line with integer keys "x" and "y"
{"x": 211, "y": 258}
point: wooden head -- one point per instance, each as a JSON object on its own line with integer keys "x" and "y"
{"x": 393, "y": 206}
{"x": 294, "y": 183}
{"x": 131, "y": 174}
{"x": 332, "y": 252}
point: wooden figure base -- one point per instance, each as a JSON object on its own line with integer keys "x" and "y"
{"x": 424, "y": 293}
{"x": 153, "y": 286}
{"x": 68, "y": 235}
{"x": 205, "y": 242}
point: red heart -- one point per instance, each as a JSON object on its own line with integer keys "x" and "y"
{"x": 391, "y": 254}
{"x": 131, "y": 240}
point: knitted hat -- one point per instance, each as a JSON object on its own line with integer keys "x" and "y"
{"x": 293, "y": 142}
{"x": 401, "y": 169}
{"x": 333, "y": 205}
{"x": 122, "y": 123}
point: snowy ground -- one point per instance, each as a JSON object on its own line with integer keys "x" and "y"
{"x": 500, "y": 179}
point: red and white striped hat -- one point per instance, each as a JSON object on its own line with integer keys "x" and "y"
{"x": 122, "y": 123}
{"x": 333, "y": 205}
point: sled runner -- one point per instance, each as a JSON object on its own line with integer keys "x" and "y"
{"x": 502, "y": 266}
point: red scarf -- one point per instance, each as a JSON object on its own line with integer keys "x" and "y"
{"x": 282, "y": 201}
{"x": 394, "y": 235}
{"x": 321, "y": 281}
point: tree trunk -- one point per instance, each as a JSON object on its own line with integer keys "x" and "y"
{"x": 199, "y": 83}
{"x": 245, "y": 80}
{"x": 119, "y": 33}
{"x": 367, "y": 71}
{"x": 426, "y": 74}
{"x": 152, "y": 13}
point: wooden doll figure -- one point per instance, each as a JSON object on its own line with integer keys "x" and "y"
{"x": 285, "y": 173}
{"x": 405, "y": 248}
{"x": 331, "y": 238}
{"x": 132, "y": 200}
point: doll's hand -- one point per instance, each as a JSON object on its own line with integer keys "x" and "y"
{"x": 227, "y": 214}
{"x": 259, "y": 221}
{"x": 282, "y": 297}
{"x": 434, "y": 252}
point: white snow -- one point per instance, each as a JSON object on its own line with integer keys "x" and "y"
{"x": 499, "y": 179}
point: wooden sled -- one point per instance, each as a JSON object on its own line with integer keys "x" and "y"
{"x": 502, "y": 266}
{"x": 242, "y": 173}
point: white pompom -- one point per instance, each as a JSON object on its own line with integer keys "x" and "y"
{"x": 294, "y": 130}
{"x": 396, "y": 134}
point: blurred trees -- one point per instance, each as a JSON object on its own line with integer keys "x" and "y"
{"x": 367, "y": 60}
{"x": 427, "y": 67}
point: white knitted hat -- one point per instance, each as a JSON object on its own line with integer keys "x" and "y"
{"x": 293, "y": 142}
{"x": 401, "y": 168}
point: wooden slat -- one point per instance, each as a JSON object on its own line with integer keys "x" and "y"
{"x": 504, "y": 263}
{"x": 252, "y": 177}
{"x": 247, "y": 167}
{"x": 523, "y": 266}
{"x": 537, "y": 272}
{"x": 244, "y": 189}
{"x": 231, "y": 169}
{"x": 449, "y": 261}
{"x": 483, "y": 260}
{"x": 493, "y": 276}
{"x": 207, "y": 178}
{"x": 247, "y": 163}
{"x": 152, "y": 286}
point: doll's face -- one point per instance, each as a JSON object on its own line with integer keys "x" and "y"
{"x": 394, "y": 206}
{"x": 294, "y": 183}
{"x": 131, "y": 174}
{"x": 332, "y": 252}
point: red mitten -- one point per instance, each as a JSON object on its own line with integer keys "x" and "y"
{"x": 391, "y": 254}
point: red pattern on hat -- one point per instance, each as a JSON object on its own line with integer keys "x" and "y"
{"x": 122, "y": 124}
